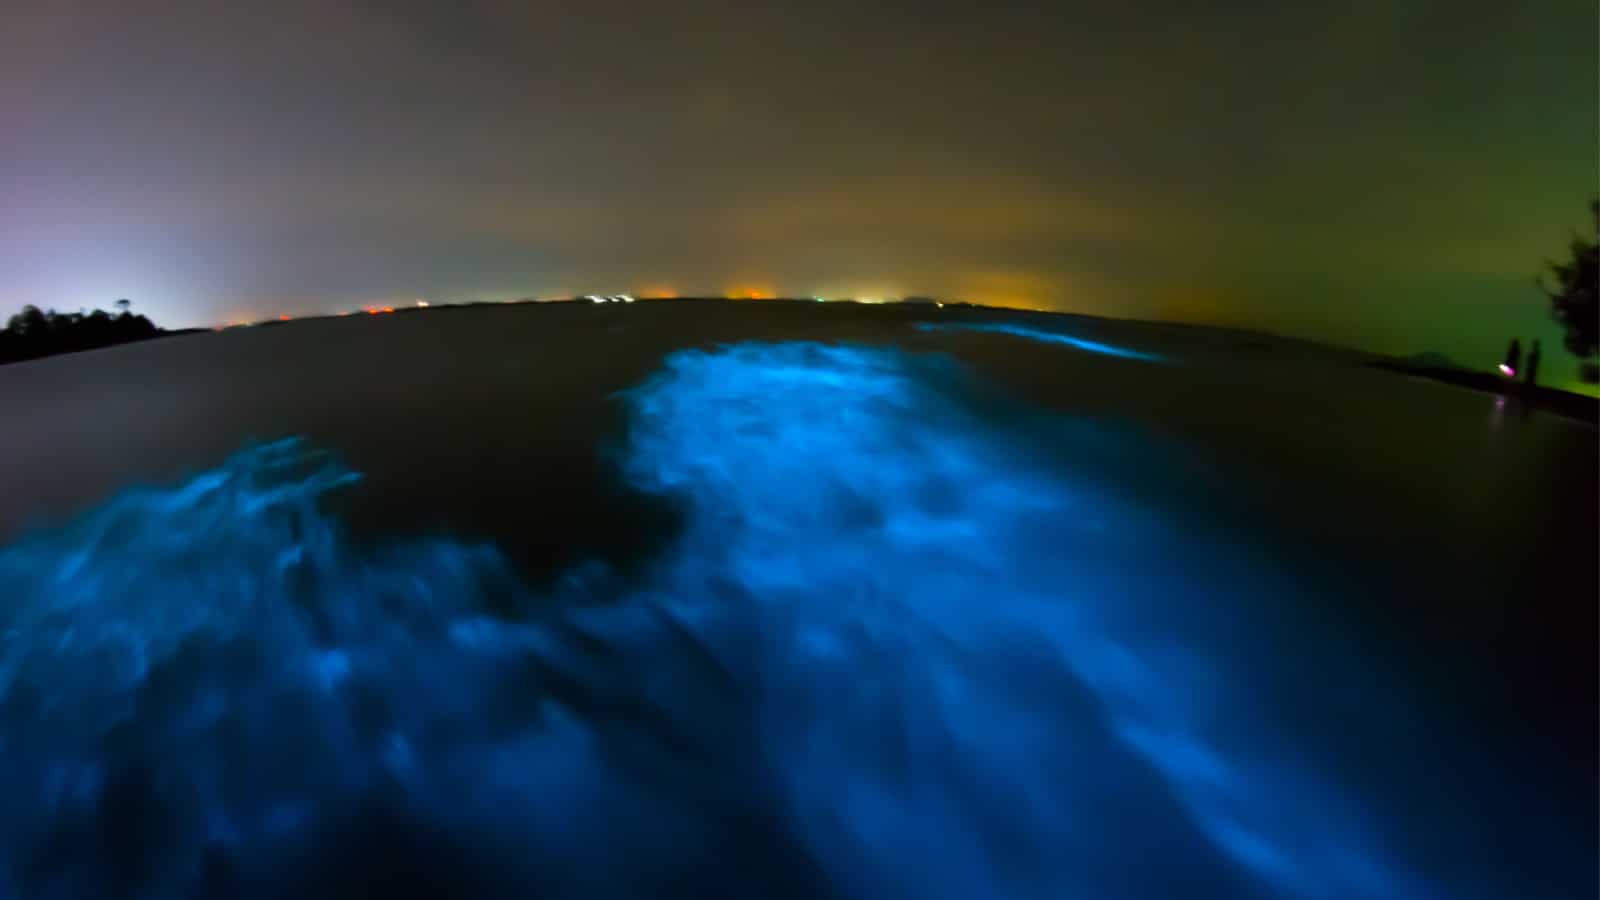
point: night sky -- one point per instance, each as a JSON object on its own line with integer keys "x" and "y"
{"x": 1387, "y": 175}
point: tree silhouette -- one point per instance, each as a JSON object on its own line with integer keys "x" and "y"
{"x": 33, "y": 333}
{"x": 1575, "y": 296}
{"x": 31, "y": 322}
{"x": 123, "y": 305}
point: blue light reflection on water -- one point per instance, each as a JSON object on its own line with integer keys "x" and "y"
{"x": 887, "y": 656}
{"x": 1040, "y": 334}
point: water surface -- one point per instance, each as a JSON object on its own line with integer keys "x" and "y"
{"x": 721, "y": 599}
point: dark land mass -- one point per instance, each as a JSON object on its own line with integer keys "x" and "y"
{"x": 1546, "y": 399}
{"x": 35, "y": 334}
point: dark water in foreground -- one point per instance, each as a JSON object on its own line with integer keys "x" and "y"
{"x": 969, "y": 615}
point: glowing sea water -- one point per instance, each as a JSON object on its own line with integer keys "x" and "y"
{"x": 896, "y": 651}
{"x": 1041, "y": 335}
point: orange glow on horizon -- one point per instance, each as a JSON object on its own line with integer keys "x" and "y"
{"x": 1021, "y": 289}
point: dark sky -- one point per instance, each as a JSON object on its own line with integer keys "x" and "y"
{"x": 1381, "y": 174}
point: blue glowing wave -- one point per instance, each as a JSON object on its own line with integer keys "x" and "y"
{"x": 891, "y": 654}
{"x": 1039, "y": 334}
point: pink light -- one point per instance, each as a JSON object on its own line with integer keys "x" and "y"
{"x": 1507, "y": 371}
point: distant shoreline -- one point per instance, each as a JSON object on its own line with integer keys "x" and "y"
{"x": 1545, "y": 399}
{"x": 1568, "y": 404}
{"x": 6, "y": 360}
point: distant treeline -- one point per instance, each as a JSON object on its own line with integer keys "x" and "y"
{"x": 33, "y": 332}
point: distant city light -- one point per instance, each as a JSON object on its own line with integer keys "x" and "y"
{"x": 595, "y": 299}
{"x": 623, "y": 297}
{"x": 422, "y": 303}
